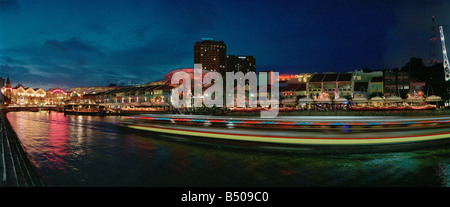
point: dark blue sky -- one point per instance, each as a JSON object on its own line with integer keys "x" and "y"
{"x": 68, "y": 43}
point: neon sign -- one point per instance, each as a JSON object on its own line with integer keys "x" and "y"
{"x": 300, "y": 77}
{"x": 58, "y": 90}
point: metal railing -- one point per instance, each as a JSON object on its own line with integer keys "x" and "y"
{"x": 16, "y": 169}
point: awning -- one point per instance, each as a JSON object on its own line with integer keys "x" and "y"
{"x": 393, "y": 99}
{"x": 323, "y": 100}
{"x": 359, "y": 100}
{"x": 376, "y": 99}
{"x": 433, "y": 98}
{"x": 414, "y": 100}
{"x": 340, "y": 100}
{"x": 161, "y": 104}
{"x": 288, "y": 101}
{"x": 305, "y": 100}
{"x": 145, "y": 104}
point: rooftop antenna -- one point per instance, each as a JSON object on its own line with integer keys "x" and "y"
{"x": 433, "y": 38}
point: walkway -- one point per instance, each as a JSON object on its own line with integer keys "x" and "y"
{"x": 15, "y": 168}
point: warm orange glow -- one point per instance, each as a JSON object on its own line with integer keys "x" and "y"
{"x": 58, "y": 90}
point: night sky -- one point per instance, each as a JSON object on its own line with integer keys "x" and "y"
{"x": 70, "y": 43}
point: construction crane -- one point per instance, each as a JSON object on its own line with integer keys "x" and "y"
{"x": 444, "y": 54}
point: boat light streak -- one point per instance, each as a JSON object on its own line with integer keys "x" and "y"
{"x": 290, "y": 122}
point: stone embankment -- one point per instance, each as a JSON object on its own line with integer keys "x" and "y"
{"x": 16, "y": 170}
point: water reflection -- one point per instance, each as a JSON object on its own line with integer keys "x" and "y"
{"x": 92, "y": 151}
{"x": 444, "y": 173}
{"x": 56, "y": 148}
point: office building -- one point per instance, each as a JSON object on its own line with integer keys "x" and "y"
{"x": 241, "y": 63}
{"x": 211, "y": 54}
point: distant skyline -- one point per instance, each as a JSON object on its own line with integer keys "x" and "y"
{"x": 75, "y": 43}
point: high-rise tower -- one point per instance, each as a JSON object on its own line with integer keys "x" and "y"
{"x": 433, "y": 59}
{"x": 243, "y": 63}
{"x": 211, "y": 54}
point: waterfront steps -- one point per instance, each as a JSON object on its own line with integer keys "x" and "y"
{"x": 16, "y": 169}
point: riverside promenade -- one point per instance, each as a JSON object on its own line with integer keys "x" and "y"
{"x": 16, "y": 169}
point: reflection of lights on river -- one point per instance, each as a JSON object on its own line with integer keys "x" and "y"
{"x": 126, "y": 158}
{"x": 57, "y": 140}
{"x": 394, "y": 165}
{"x": 444, "y": 173}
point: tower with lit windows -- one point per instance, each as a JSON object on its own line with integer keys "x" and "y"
{"x": 242, "y": 63}
{"x": 211, "y": 54}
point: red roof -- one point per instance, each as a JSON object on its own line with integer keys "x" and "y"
{"x": 168, "y": 76}
{"x": 294, "y": 87}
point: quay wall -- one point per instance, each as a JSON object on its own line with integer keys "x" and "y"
{"x": 16, "y": 169}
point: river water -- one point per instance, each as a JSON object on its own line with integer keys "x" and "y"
{"x": 92, "y": 151}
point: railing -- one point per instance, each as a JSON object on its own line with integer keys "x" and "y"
{"x": 16, "y": 169}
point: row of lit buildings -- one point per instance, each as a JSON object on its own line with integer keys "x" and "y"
{"x": 27, "y": 96}
{"x": 357, "y": 84}
{"x": 350, "y": 85}
{"x": 154, "y": 93}
{"x": 292, "y": 87}
{"x": 213, "y": 57}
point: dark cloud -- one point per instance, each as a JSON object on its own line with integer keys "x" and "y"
{"x": 56, "y": 44}
{"x": 79, "y": 62}
{"x": 9, "y": 6}
{"x": 96, "y": 27}
{"x": 191, "y": 16}
{"x": 93, "y": 42}
{"x": 70, "y": 44}
{"x": 139, "y": 32}
{"x": 67, "y": 63}
{"x": 13, "y": 69}
{"x": 8, "y": 59}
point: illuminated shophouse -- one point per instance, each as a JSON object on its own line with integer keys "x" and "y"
{"x": 56, "y": 96}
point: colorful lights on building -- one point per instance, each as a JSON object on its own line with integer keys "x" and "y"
{"x": 58, "y": 90}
